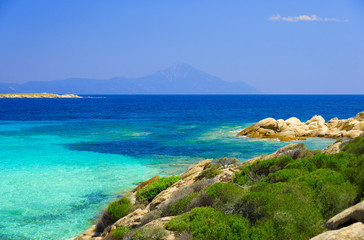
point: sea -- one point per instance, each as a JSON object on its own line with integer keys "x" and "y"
{"x": 63, "y": 160}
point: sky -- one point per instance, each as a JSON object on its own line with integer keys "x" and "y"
{"x": 279, "y": 47}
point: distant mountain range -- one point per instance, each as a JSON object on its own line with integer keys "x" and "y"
{"x": 177, "y": 79}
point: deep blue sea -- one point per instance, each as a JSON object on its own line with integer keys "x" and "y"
{"x": 63, "y": 160}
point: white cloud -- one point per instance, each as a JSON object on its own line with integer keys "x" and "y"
{"x": 312, "y": 18}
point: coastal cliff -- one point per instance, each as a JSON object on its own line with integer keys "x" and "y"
{"x": 286, "y": 195}
{"x": 294, "y": 129}
{"x": 38, "y": 95}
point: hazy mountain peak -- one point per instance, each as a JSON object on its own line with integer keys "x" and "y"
{"x": 178, "y": 71}
{"x": 179, "y": 78}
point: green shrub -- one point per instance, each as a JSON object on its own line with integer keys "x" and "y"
{"x": 209, "y": 172}
{"x": 119, "y": 208}
{"x": 285, "y": 175}
{"x": 355, "y": 147}
{"x": 333, "y": 198}
{"x": 255, "y": 205}
{"x": 209, "y": 223}
{"x": 224, "y": 195}
{"x": 181, "y": 205}
{"x": 355, "y": 174}
{"x": 120, "y": 232}
{"x": 148, "y": 233}
{"x": 320, "y": 177}
{"x": 257, "y": 171}
{"x": 151, "y": 190}
{"x": 304, "y": 164}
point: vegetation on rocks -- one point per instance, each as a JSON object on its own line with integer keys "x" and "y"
{"x": 151, "y": 190}
{"x": 279, "y": 198}
{"x": 288, "y": 196}
{"x": 119, "y": 208}
{"x": 210, "y": 171}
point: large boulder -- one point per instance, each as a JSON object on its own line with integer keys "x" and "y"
{"x": 352, "y": 232}
{"x": 318, "y": 120}
{"x": 293, "y": 121}
{"x": 348, "y": 216}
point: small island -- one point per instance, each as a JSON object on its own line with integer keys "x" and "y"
{"x": 38, "y": 95}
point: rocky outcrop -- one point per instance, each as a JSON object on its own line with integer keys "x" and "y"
{"x": 38, "y": 95}
{"x": 335, "y": 147}
{"x": 187, "y": 178}
{"x": 294, "y": 129}
{"x": 352, "y": 232}
{"x": 347, "y": 217}
{"x": 297, "y": 150}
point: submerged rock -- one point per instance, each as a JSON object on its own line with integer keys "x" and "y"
{"x": 294, "y": 129}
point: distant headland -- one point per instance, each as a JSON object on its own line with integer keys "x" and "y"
{"x": 38, "y": 95}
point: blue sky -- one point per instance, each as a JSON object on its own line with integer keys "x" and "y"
{"x": 277, "y": 46}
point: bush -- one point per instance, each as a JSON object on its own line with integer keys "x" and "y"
{"x": 153, "y": 189}
{"x": 208, "y": 223}
{"x": 119, "y": 208}
{"x": 181, "y": 205}
{"x": 285, "y": 175}
{"x": 120, "y": 232}
{"x": 255, "y": 205}
{"x": 148, "y": 233}
{"x": 226, "y": 161}
{"x": 257, "y": 171}
{"x": 209, "y": 172}
{"x": 355, "y": 147}
{"x": 334, "y": 198}
{"x": 152, "y": 215}
{"x": 224, "y": 195}
{"x": 184, "y": 192}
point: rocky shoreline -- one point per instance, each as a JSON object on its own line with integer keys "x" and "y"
{"x": 293, "y": 129}
{"x": 345, "y": 225}
{"x": 38, "y": 95}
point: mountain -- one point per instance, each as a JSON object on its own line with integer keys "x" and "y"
{"x": 177, "y": 79}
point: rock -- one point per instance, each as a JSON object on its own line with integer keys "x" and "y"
{"x": 226, "y": 175}
{"x": 347, "y": 217}
{"x": 143, "y": 184}
{"x": 360, "y": 116}
{"x": 187, "y": 178}
{"x": 194, "y": 168}
{"x": 352, "y": 232}
{"x": 298, "y": 150}
{"x": 319, "y": 120}
{"x": 335, "y": 147}
{"x": 159, "y": 222}
{"x": 133, "y": 219}
{"x": 293, "y": 121}
{"x": 294, "y": 129}
{"x": 88, "y": 234}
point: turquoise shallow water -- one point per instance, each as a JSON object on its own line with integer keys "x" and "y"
{"x": 62, "y": 161}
